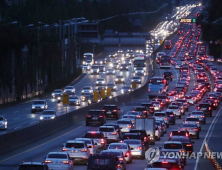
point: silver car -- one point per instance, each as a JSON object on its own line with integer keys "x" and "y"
{"x": 39, "y": 106}
{"x": 194, "y": 119}
{"x": 57, "y": 93}
{"x": 125, "y": 124}
{"x": 192, "y": 129}
{"x": 58, "y": 161}
{"x": 136, "y": 79}
{"x": 124, "y": 67}
{"x": 95, "y": 69}
{"x": 69, "y": 89}
{"x": 130, "y": 117}
{"x": 139, "y": 71}
{"x": 126, "y": 89}
{"x": 120, "y": 79}
{"x": 176, "y": 110}
{"x": 137, "y": 147}
{"x": 111, "y": 71}
{"x": 3, "y": 123}
{"x": 100, "y": 82}
{"x": 110, "y": 133}
{"x": 87, "y": 90}
{"x": 78, "y": 151}
{"x": 74, "y": 100}
{"x": 156, "y": 105}
{"x": 48, "y": 115}
{"x": 138, "y": 114}
{"x": 92, "y": 146}
{"x": 161, "y": 116}
{"x": 124, "y": 147}
{"x": 200, "y": 115}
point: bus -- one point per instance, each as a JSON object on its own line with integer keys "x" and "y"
{"x": 157, "y": 85}
{"x": 165, "y": 62}
{"x": 88, "y": 59}
{"x": 139, "y": 61}
{"x": 167, "y": 44}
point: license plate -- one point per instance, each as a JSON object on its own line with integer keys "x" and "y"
{"x": 108, "y": 112}
{"x": 203, "y": 109}
{"x": 94, "y": 118}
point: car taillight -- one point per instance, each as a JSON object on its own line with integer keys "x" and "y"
{"x": 121, "y": 159}
{"x": 88, "y": 115}
{"x": 189, "y": 145}
{"x": 171, "y": 134}
{"x": 197, "y": 122}
{"x": 47, "y": 161}
{"x": 164, "y": 162}
{"x": 145, "y": 138}
{"x": 121, "y": 141}
{"x": 104, "y": 110}
{"x": 138, "y": 116}
{"x": 187, "y": 135}
{"x": 182, "y": 151}
{"x": 64, "y": 149}
{"x": 198, "y": 108}
{"x": 127, "y": 154}
{"x": 114, "y": 133}
{"x": 202, "y": 116}
{"x": 195, "y": 129}
{"x": 159, "y": 128}
{"x": 209, "y": 108}
{"x": 84, "y": 150}
{"x": 102, "y": 141}
{"x": 114, "y": 110}
{"x": 179, "y": 110}
{"x": 139, "y": 148}
{"x": 101, "y": 116}
{"x": 118, "y": 166}
{"x": 129, "y": 126}
{"x": 171, "y": 115}
{"x": 65, "y": 162}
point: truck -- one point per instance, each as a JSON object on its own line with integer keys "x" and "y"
{"x": 148, "y": 124}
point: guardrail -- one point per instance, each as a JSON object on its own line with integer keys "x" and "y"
{"x": 211, "y": 158}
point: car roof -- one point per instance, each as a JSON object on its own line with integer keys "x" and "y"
{"x": 106, "y": 127}
{"x": 96, "y": 131}
{"x": 74, "y": 141}
{"x": 32, "y": 163}
{"x": 175, "y": 142}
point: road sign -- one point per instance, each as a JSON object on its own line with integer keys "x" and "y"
{"x": 95, "y": 96}
{"x": 102, "y": 93}
{"x": 65, "y": 99}
{"x": 187, "y": 20}
{"x": 161, "y": 42}
{"x": 134, "y": 85}
{"x": 109, "y": 91}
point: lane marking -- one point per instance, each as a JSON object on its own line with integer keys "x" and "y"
{"x": 18, "y": 127}
{"x": 81, "y": 80}
{"x": 209, "y": 130}
{"x": 40, "y": 145}
{"x": 33, "y": 122}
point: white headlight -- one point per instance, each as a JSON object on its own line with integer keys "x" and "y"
{"x": 53, "y": 117}
{"x": 41, "y": 117}
{"x": 33, "y": 107}
{"x": 42, "y": 107}
{"x": 82, "y": 91}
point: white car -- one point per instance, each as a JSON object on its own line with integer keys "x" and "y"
{"x": 92, "y": 146}
{"x": 161, "y": 116}
{"x": 48, "y": 115}
{"x": 3, "y": 123}
{"x": 58, "y": 161}
{"x": 125, "y": 124}
{"x": 176, "y": 110}
{"x": 156, "y": 105}
{"x": 125, "y": 148}
{"x": 69, "y": 89}
{"x": 74, "y": 100}
{"x": 87, "y": 90}
{"x": 109, "y": 133}
{"x": 100, "y": 82}
{"x": 111, "y": 71}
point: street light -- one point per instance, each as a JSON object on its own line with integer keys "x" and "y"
{"x": 14, "y": 22}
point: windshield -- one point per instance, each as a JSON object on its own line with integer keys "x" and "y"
{"x": 117, "y": 146}
{"x": 74, "y": 145}
{"x": 38, "y": 102}
{"x": 59, "y": 156}
{"x": 136, "y": 77}
{"x": 86, "y": 141}
{"x": 189, "y": 125}
{"x": 126, "y": 87}
{"x": 109, "y": 107}
{"x": 192, "y": 119}
{"x": 73, "y": 97}
{"x": 156, "y": 81}
{"x": 95, "y": 67}
{"x": 86, "y": 88}
{"x": 96, "y": 113}
{"x": 123, "y": 122}
{"x": 172, "y": 146}
{"x": 48, "y": 113}
{"x": 140, "y": 63}
{"x": 106, "y": 129}
{"x": 132, "y": 141}
{"x": 58, "y": 91}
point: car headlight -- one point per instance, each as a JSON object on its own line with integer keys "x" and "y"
{"x": 121, "y": 67}
{"x": 84, "y": 62}
{"x": 82, "y": 91}
{"x": 116, "y": 79}
{"x": 53, "y": 94}
{"x": 103, "y": 82}
{"x": 131, "y": 80}
{"x": 122, "y": 79}
{"x": 111, "y": 65}
{"x": 33, "y": 107}
{"x": 41, "y": 118}
{"x": 53, "y": 117}
{"x": 97, "y": 82}
{"x": 73, "y": 90}
{"x": 89, "y": 101}
{"x": 91, "y": 71}
{"x": 42, "y": 107}
{"x": 58, "y": 98}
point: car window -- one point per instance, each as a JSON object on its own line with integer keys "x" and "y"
{"x": 111, "y": 153}
{"x": 106, "y": 129}
{"x": 1, "y": 118}
{"x": 95, "y": 113}
{"x": 59, "y": 156}
{"x": 38, "y": 102}
{"x": 75, "y": 145}
{"x": 117, "y": 146}
{"x": 48, "y": 113}
{"x": 109, "y": 107}
{"x": 178, "y": 133}
{"x": 203, "y": 105}
{"x": 173, "y": 107}
{"x": 132, "y": 142}
{"x": 101, "y": 161}
{"x": 192, "y": 119}
{"x": 159, "y": 114}
{"x": 93, "y": 135}
{"x": 172, "y": 146}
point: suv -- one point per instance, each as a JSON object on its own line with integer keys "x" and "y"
{"x": 97, "y": 137}
{"x": 168, "y": 75}
{"x": 33, "y": 165}
{"x": 141, "y": 109}
{"x": 164, "y": 99}
{"x": 117, "y": 128}
{"x": 95, "y": 117}
{"x": 39, "y": 106}
{"x": 206, "y": 108}
{"x": 149, "y": 107}
{"x": 110, "y": 133}
{"x": 143, "y": 136}
{"x": 111, "y": 110}
{"x": 103, "y": 162}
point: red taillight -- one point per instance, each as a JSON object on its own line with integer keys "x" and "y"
{"x": 139, "y": 148}
{"x": 118, "y": 166}
{"x": 47, "y": 161}
{"x": 64, "y": 149}
{"x": 121, "y": 141}
{"x": 209, "y": 108}
{"x": 195, "y": 129}
{"x": 198, "y": 108}
{"x": 127, "y": 154}
{"x": 187, "y": 135}
{"x": 182, "y": 151}
{"x": 84, "y": 150}
{"x": 65, "y": 162}
{"x": 129, "y": 126}
{"x": 114, "y": 110}
{"x": 102, "y": 141}
{"x": 104, "y": 110}
{"x": 145, "y": 138}
{"x": 121, "y": 159}
{"x": 171, "y": 115}
{"x": 88, "y": 115}
{"x": 188, "y": 145}
{"x": 164, "y": 162}
{"x": 114, "y": 133}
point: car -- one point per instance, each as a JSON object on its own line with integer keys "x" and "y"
{"x": 160, "y": 128}
{"x": 164, "y": 99}
{"x": 110, "y": 133}
{"x": 119, "y": 155}
{"x": 95, "y": 117}
{"x": 62, "y": 158}
{"x": 94, "y": 69}
{"x": 190, "y": 99}
{"x": 149, "y": 107}
{"x": 143, "y": 136}
{"x": 193, "y": 119}
{"x": 102, "y": 69}
{"x": 130, "y": 117}
{"x": 180, "y": 104}
{"x": 125, "y": 124}
{"x": 115, "y": 65}
{"x": 161, "y": 116}
{"x": 206, "y": 108}
{"x": 100, "y": 82}
{"x": 57, "y": 93}
{"x": 89, "y": 98}
{"x": 78, "y": 151}
{"x": 192, "y": 129}
{"x": 97, "y": 162}
{"x": 168, "y": 75}
{"x": 117, "y": 128}
{"x": 156, "y": 105}
{"x": 200, "y": 115}
{"x": 179, "y": 132}
{"x": 185, "y": 103}
{"x": 3, "y": 123}
{"x": 172, "y": 95}
{"x": 39, "y": 106}
{"x": 213, "y": 103}
{"x": 111, "y": 71}
{"x": 137, "y": 147}
{"x": 119, "y": 79}
{"x": 136, "y": 79}
{"x": 171, "y": 117}
{"x": 69, "y": 90}
{"x": 92, "y": 146}
{"x": 87, "y": 90}
{"x": 164, "y": 163}
{"x": 33, "y": 165}
{"x": 112, "y": 55}
{"x": 112, "y": 86}
{"x": 74, "y": 100}
{"x": 99, "y": 62}
{"x": 139, "y": 71}
{"x": 124, "y": 67}
{"x": 126, "y": 89}
{"x": 48, "y": 115}
{"x": 98, "y": 137}
{"x": 141, "y": 109}
{"x": 124, "y": 147}
{"x": 111, "y": 111}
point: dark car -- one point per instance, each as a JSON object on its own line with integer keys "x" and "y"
{"x": 111, "y": 111}
{"x": 131, "y": 136}
{"x": 33, "y": 165}
{"x": 95, "y": 117}
{"x": 171, "y": 117}
{"x": 143, "y": 136}
{"x": 168, "y": 75}
{"x": 97, "y": 162}
{"x": 149, "y": 106}
{"x": 141, "y": 109}
{"x": 167, "y": 163}
{"x": 179, "y": 132}
{"x": 187, "y": 143}
{"x": 206, "y": 108}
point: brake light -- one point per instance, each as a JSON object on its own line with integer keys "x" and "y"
{"x": 114, "y": 133}
{"x": 64, "y": 149}
{"x": 171, "y": 115}
{"x": 127, "y": 154}
{"x": 164, "y": 162}
{"x": 88, "y": 115}
{"x": 65, "y": 162}
{"x": 47, "y": 161}
{"x": 114, "y": 110}
{"x": 188, "y": 145}
{"x": 159, "y": 127}
{"x": 102, "y": 141}
{"x": 120, "y": 159}
{"x": 121, "y": 141}
{"x": 84, "y": 150}
{"x": 166, "y": 118}
{"x": 202, "y": 116}
{"x": 145, "y": 138}
{"x": 171, "y": 134}
{"x": 209, "y": 108}
{"x": 138, "y": 116}
{"x": 197, "y": 122}
{"x": 195, "y": 129}
{"x": 101, "y": 116}
{"x": 139, "y": 148}
{"x": 104, "y": 110}
{"x": 187, "y": 135}
{"x": 198, "y": 108}
{"x": 129, "y": 126}
{"x": 182, "y": 151}
{"x": 118, "y": 166}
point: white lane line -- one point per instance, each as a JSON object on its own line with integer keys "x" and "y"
{"x": 16, "y": 118}
{"x": 33, "y": 122}
{"x": 211, "y": 126}
{"x": 81, "y": 80}
{"x": 18, "y": 127}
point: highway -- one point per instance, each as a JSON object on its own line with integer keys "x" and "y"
{"x": 37, "y": 151}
